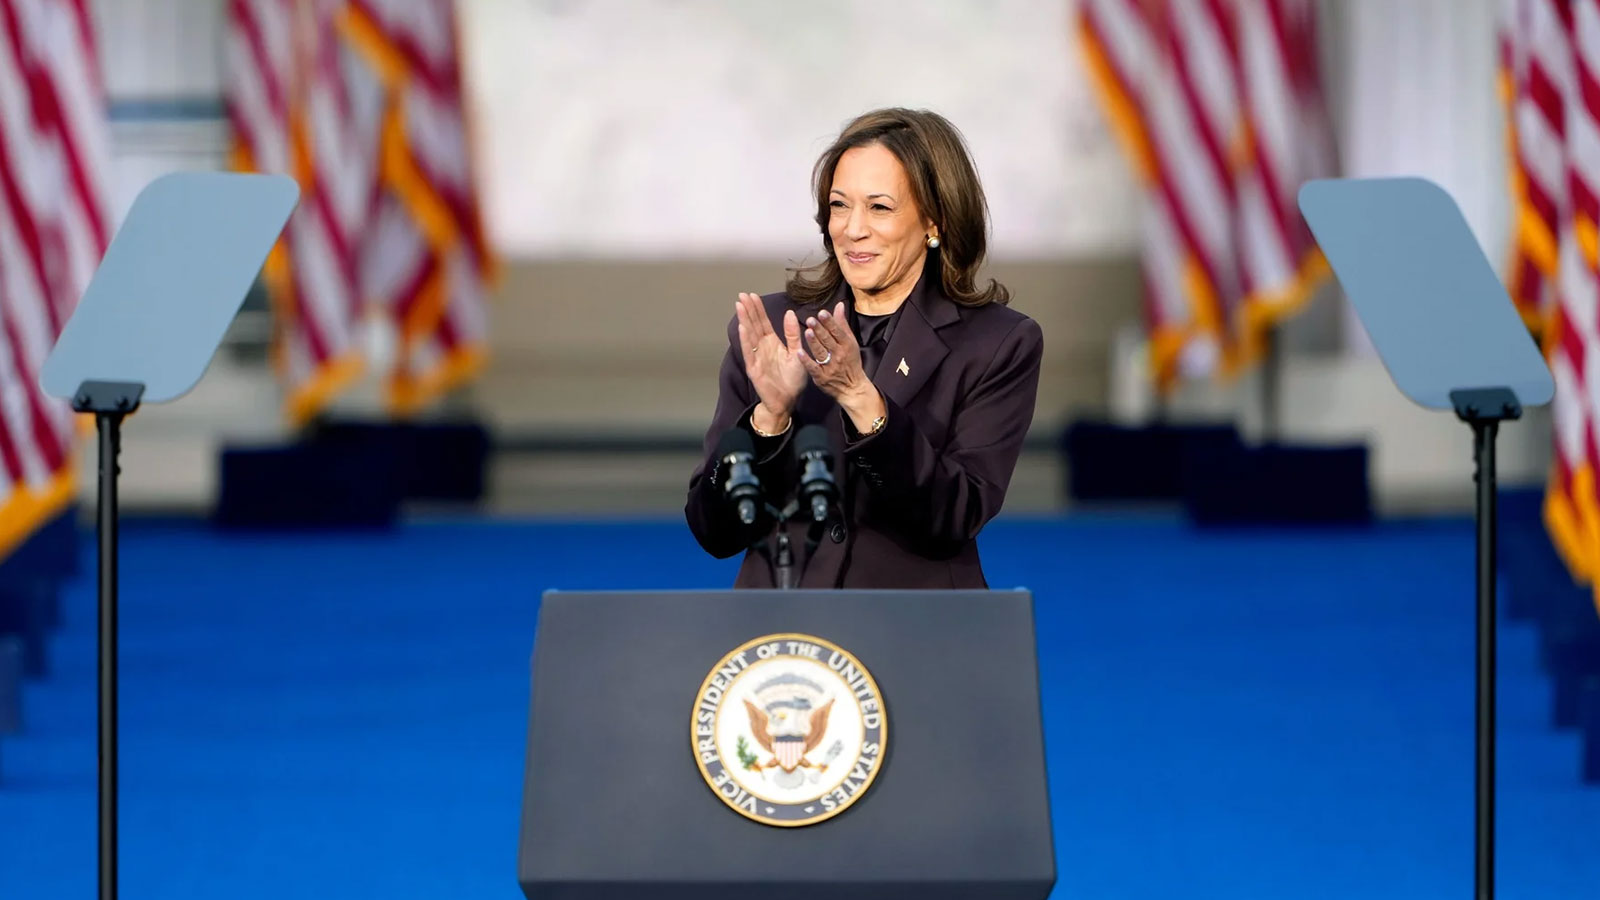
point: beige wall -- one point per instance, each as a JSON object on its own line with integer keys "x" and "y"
{"x": 633, "y": 347}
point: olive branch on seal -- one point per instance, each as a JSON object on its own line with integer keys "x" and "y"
{"x": 747, "y": 758}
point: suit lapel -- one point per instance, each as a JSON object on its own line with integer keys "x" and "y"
{"x": 915, "y": 350}
{"x": 915, "y": 342}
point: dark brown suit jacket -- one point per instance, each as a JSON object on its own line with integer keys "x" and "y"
{"x": 915, "y": 495}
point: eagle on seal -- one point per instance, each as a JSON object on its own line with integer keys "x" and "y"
{"x": 789, "y": 719}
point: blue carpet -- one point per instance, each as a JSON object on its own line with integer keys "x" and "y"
{"x": 1250, "y": 714}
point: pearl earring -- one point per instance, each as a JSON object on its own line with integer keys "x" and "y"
{"x": 933, "y": 242}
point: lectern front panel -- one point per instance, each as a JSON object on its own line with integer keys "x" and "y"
{"x": 796, "y": 743}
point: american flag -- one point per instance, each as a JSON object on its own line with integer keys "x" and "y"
{"x": 1220, "y": 108}
{"x": 1550, "y": 81}
{"x": 362, "y": 102}
{"x": 55, "y": 224}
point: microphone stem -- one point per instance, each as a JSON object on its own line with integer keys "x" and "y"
{"x": 785, "y": 567}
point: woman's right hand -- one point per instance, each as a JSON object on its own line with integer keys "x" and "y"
{"x": 772, "y": 363}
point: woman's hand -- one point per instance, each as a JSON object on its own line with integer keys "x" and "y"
{"x": 835, "y": 366}
{"x": 775, "y": 370}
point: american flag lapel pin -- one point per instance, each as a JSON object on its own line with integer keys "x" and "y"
{"x": 903, "y": 369}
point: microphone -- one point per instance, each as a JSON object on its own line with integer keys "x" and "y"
{"x": 817, "y": 487}
{"x": 738, "y": 452}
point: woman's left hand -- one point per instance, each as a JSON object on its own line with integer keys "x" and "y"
{"x": 835, "y": 366}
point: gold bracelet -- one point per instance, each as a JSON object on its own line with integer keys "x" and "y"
{"x": 757, "y": 428}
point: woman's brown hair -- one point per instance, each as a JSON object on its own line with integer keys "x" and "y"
{"x": 945, "y": 185}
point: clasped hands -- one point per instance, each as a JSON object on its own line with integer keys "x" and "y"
{"x": 778, "y": 367}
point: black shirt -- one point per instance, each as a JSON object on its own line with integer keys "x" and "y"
{"x": 873, "y": 333}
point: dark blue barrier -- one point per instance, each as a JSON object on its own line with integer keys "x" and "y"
{"x": 53, "y": 549}
{"x": 1276, "y": 484}
{"x": 27, "y": 608}
{"x": 10, "y": 685}
{"x": 30, "y": 584}
{"x": 1573, "y": 662}
{"x": 1590, "y": 726}
{"x": 1215, "y": 476}
{"x": 351, "y": 474}
{"x": 1539, "y": 589}
{"x": 10, "y": 693}
{"x": 1108, "y": 462}
{"x": 440, "y": 461}
{"x": 30, "y": 579}
{"x": 306, "y": 486}
{"x": 1528, "y": 563}
{"x": 1570, "y": 650}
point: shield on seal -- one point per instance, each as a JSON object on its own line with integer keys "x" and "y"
{"x": 789, "y": 749}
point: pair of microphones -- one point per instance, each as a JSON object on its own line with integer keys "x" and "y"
{"x": 818, "y": 489}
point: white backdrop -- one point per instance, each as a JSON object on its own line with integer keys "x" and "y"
{"x": 619, "y": 128}
{"x": 1415, "y": 85}
{"x": 689, "y": 127}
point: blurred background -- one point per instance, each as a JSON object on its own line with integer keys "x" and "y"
{"x": 616, "y": 168}
{"x": 484, "y": 356}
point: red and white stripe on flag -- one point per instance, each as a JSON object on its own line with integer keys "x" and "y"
{"x": 55, "y": 224}
{"x": 290, "y": 106}
{"x": 361, "y": 100}
{"x": 1533, "y": 87}
{"x": 1219, "y": 106}
{"x": 1550, "y": 80}
{"x": 437, "y": 296}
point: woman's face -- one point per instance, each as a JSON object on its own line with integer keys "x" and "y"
{"x": 879, "y": 235}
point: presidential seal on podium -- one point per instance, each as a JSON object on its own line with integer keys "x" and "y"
{"x": 789, "y": 729}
